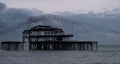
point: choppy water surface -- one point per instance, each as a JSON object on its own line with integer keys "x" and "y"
{"x": 104, "y": 55}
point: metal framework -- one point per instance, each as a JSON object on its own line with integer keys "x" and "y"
{"x": 12, "y": 45}
{"x": 49, "y": 38}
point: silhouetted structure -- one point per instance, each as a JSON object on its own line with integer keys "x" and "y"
{"x": 12, "y": 45}
{"x": 49, "y": 38}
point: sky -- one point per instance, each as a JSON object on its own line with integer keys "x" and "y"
{"x": 64, "y": 5}
{"x": 103, "y": 26}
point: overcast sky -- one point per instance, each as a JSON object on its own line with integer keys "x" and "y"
{"x": 63, "y": 5}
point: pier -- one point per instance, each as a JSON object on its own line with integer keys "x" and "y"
{"x": 50, "y": 38}
{"x": 12, "y": 45}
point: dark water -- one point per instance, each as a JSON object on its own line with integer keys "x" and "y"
{"x": 108, "y": 54}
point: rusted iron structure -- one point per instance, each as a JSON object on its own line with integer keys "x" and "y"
{"x": 49, "y": 38}
{"x": 12, "y": 45}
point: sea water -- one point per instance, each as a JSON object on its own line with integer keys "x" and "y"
{"x": 107, "y": 54}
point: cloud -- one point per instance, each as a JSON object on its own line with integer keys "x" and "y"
{"x": 102, "y": 27}
{"x": 12, "y": 16}
{"x": 85, "y": 26}
{"x": 2, "y": 6}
